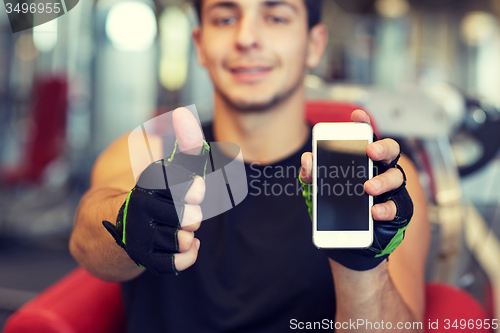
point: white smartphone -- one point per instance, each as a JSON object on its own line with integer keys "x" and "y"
{"x": 341, "y": 207}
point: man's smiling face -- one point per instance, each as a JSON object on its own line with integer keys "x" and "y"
{"x": 256, "y": 51}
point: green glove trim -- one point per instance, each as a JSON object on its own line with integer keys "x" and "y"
{"x": 125, "y": 214}
{"x": 394, "y": 243}
{"x": 306, "y": 193}
{"x": 204, "y": 149}
{"x": 125, "y": 219}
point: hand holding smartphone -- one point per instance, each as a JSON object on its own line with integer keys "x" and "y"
{"x": 341, "y": 207}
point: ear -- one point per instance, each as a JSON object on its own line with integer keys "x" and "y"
{"x": 318, "y": 37}
{"x": 198, "y": 47}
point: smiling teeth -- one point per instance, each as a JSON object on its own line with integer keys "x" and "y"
{"x": 249, "y": 70}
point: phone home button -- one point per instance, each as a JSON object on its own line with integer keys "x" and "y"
{"x": 343, "y": 239}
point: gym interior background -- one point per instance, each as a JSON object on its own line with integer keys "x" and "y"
{"x": 427, "y": 71}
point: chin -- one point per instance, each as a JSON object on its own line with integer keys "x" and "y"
{"x": 253, "y": 106}
{"x": 242, "y": 103}
{"x": 250, "y": 105}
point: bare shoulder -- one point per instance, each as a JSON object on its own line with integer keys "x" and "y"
{"x": 113, "y": 168}
{"x": 407, "y": 263}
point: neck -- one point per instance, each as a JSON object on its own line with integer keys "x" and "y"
{"x": 264, "y": 136}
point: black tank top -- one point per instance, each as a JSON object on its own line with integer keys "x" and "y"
{"x": 257, "y": 268}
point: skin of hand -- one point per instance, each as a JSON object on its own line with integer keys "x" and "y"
{"x": 190, "y": 140}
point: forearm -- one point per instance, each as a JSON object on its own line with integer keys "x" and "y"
{"x": 92, "y": 246}
{"x": 372, "y": 297}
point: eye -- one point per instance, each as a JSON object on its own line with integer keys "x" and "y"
{"x": 276, "y": 19}
{"x": 225, "y": 21}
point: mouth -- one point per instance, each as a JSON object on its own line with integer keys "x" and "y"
{"x": 250, "y": 74}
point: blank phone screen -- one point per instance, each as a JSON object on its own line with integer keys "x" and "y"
{"x": 342, "y": 170}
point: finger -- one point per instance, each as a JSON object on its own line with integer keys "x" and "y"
{"x": 192, "y": 216}
{"x": 388, "y": 181}
{"x": 196, "y": 192}
{"x": 385, "y": 150}
{"x": 385, "y": 211}
{"x": 185, "y": 239}
{"x": 187, "y": 131}
{"x": 192, "y": 227}
{"x": 306, "y": 167}
{"x": 360, "y": 116}
{"x": 187, "y": 259}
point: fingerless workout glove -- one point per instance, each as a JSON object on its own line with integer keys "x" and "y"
{"x": 149, "y": 220}
{"x": 387, "y": 235}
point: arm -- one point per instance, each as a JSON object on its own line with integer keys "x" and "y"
{"x": 90, "y": 244}
{"x": 394, "y": 290}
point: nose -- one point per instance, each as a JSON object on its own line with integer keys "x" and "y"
{"x": 248, "y": 35}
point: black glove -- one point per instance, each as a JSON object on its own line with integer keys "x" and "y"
{"x": 149, "y": 220}
{"x": 387, "y": 235}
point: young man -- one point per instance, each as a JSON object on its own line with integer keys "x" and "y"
{"x": 257, "y": 269}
